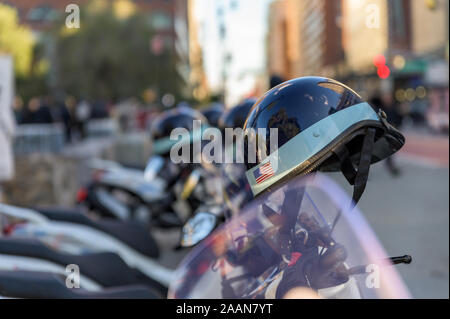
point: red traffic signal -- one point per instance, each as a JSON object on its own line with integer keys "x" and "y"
{"x": 383, "y": 70}
{"x": 379, "y": 60}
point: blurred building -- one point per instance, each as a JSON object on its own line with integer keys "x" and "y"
{"x": 347, "y": 40}
{"x": 305, "y": 37}
{"x": 362, "y": 42}
{"x": 277, "y": 46}
{"x": 365, "y": 30}
{"x": 430, "y": 18}
{"x": 430, "y": 45}
{"x": 181, "y": 40}
{"x": 197, "y": 77}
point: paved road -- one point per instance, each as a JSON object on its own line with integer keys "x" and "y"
{"x": 426, "y": 149}
{"x": 410, "y": 213}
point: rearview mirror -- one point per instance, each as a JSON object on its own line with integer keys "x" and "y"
{"x": 197, "y": 228}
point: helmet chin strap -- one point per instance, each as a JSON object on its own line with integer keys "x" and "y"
{"x": 357, "y": 177}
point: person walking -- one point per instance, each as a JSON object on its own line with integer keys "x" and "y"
{"x": 83, "y": 112}
{"x": 38, "y": 112}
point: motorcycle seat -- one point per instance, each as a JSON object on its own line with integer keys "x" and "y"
{"x": 106, "y": 268}
{"x": 30, "y": 284}
{"x": 130, "y": 232}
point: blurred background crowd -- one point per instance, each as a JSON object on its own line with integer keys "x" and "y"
{"x": 94, "y": 90}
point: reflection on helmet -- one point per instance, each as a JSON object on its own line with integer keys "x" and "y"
{"x": 236, "y": 116}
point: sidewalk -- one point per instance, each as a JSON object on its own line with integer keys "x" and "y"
{"x": 426, "y": 149}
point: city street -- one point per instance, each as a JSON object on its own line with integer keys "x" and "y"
{"x": 100, "y": 147}
{"x": 410, "y": 213}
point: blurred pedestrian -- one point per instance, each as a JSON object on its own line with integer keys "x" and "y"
{"x": 386, "y": 103}
{"x": 71, "y": 105}
{"x": 99, "y": 110}
{"x": 19, "y": 112}
{"x": 82, "y": 116}
{"x": 60, "y": 114}
{"x": 38, "y": 112}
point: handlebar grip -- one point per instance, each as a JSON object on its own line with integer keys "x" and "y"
{"x": 406, "y": 259}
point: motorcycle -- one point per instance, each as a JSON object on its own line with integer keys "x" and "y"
{"x": 159, "y": 196}
{"x": 228, "y": 190}
{"x": 303, "y": 239}
{"x": 33, "y": 284}
{"x": 74, "y": 233}
{"x": 97, "y": 271}
{"x": 125, "y": 193}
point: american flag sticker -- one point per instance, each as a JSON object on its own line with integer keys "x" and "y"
{"x": 264, "y": 172}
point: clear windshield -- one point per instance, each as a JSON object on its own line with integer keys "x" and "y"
{"x": 303, "y": 234}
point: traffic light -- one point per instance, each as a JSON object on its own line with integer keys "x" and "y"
{"x": 379, "y": 60}
{"x": 383, "y": 70}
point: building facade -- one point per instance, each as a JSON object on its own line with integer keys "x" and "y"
{"x": 197, "y": 77}
{"x": 430, "y": 44}
{"x": 305, "y": 37}
{"x": 277, "y": 46}
{"x": 344, "y": 39}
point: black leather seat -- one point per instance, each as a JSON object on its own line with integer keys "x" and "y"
{"x": 27, "y": 284}
{"x": 130, "y": 232}
{"x": 107, "y": 269}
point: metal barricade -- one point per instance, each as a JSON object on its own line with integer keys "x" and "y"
{"x": 39, "y": 138}
{"x": 102, "y": 127}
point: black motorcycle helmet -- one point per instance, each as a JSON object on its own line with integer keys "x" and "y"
{"x": 322, "y": 125}
{"x": 236, "y": 116}
{"x": 180, "y": 117}
{"x": 213, "y": 113}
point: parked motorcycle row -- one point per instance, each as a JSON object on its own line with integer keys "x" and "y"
{"x": 110, "y": 236}
{"x": 192, "y": 231}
